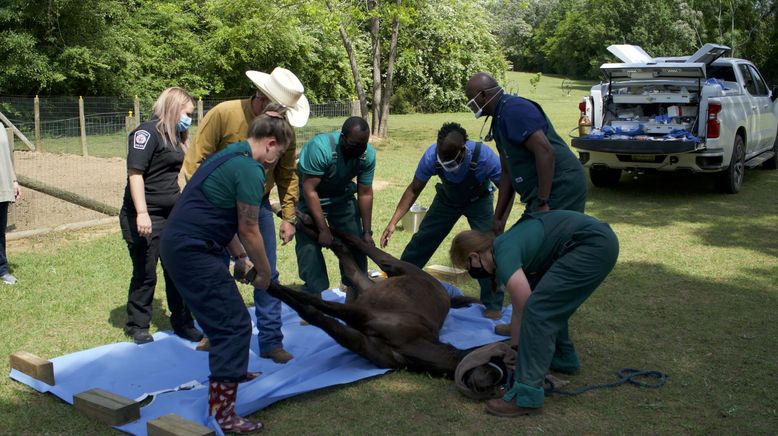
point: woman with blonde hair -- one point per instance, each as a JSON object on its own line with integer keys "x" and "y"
{"x": 223, "y": 199}
{"x": 549, "y": 262}
{"x": 155, "y": 154}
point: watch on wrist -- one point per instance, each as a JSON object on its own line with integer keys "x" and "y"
{"x": 542, "y": 201}
{"x": 292, "y": 220}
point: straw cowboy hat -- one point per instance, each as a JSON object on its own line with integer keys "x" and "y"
{"x": 283, "y": 87}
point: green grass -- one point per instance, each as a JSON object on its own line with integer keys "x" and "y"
{"x": 694, "y": 294}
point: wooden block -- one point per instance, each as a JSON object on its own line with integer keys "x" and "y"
{"x": 106, "y": 407}
{"x": 446, "y": 273}
{"x": 33, "y": 366}
{"x": 174, "y": 425}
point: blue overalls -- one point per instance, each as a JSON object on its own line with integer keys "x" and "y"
{"x": 193, "y": 249}
{"x": 470, "y": 198}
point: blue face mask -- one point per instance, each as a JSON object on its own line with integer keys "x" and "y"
{"x": 184, "y": 123}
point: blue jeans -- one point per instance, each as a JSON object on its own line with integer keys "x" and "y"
{"x": 267, "y": 308}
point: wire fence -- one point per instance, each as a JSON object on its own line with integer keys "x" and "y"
{"x": 92, "y": 165}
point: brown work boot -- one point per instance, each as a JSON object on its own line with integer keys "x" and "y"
{"x": 502, "y": 329}
{"x": 279, "y": 355}
{"x": 494, "y": 314}
{"x": 509, "y": 409}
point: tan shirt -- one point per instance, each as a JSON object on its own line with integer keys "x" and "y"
{"x": 228, "y": 122}
{"x": 7, "y": 193}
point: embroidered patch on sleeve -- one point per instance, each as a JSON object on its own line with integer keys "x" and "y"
{"x": 141, "y": 139}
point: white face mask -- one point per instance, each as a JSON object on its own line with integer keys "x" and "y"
{"x": 475, "y": 108}
{"x": 452, "y": 165}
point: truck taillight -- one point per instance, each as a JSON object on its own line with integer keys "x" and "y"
{"x": 582, "y": 106}
{"x": 714, "y": 127}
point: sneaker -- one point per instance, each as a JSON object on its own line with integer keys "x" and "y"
{"x": 509, "y": 409}
{"x": 494, "y": 314}
{"x": 189, "y": 333}
{"x": 279, "y": 355}
{"x": 140, "y": 336}
{"x": 8, "y": 279}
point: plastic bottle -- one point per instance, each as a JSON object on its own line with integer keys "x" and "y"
{"x": 583, "y": 125}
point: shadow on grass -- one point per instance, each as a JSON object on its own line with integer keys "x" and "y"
{"x": 118, "y": 315}
{"x": 747, "y": 219}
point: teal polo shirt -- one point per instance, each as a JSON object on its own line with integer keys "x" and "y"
{"x": 240, "y": 179}
{"x": 316, "y": 160}
{"x": 517, "y": 248}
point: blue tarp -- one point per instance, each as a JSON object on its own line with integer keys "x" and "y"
{"x": 176, "y": 375}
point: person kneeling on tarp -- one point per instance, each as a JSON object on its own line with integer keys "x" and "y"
{"x": 549, "y": 262}
{"x": 221, "y": 199}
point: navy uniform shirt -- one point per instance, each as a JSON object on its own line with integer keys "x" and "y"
{"x": 160, "y": 162}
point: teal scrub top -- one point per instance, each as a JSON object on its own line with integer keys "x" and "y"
{"x": 240, "y": 179}
{"x": 316, "y": 158}
{"x": 537, "y": 241}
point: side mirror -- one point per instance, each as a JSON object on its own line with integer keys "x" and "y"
{"x": 774, "y": 93}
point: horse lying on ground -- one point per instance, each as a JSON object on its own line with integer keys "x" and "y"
{"x": 394, "y": 323}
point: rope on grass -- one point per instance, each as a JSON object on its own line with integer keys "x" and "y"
{"x": 627, "y": 375}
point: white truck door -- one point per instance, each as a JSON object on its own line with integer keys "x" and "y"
{"x": 753, "y": 109}
{"x": 768, "y": 119}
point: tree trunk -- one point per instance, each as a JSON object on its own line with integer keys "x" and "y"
{"x": 376, "y": 51}
{"x": 388, "y": 87}
{"x": 360, "y": 88}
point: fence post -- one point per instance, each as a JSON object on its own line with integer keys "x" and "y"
{"x": 10, "y": 132}
{"x": 37, "y": 113}
{"x": 82, "y": 122}
{"x": 129, "y": 124}
{"x": 11, "y": 224}
{"x": 199, "y": 110}
{"x": 136, "y": 107}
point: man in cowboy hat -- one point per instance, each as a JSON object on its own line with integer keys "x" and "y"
{"x": 227, "y": 123}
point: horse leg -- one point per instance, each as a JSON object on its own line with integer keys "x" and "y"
{"x": 359, "y": 279}
{"x": 303, "y": 302}
{"x": 388, "y": 263}
{"x": 351, "y": 270}
{"x": 325, "y": 315}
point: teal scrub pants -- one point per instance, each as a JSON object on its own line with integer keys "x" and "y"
{"x": 437, "y": 224}
{"x": 343, "y": 216}
{"x": 544, "y": 342}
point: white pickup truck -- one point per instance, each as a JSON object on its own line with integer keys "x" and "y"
{"x": 700, "y": 113}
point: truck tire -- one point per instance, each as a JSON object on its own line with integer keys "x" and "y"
{"x": 772, "y": 163}
{"x": 604, "y": 177}
{"x": 730, "y": 180}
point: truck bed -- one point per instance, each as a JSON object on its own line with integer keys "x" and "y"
{"x": 635, "y": 146}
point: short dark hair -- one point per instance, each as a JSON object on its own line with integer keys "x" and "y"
{"x": 448, "y": 128}
{"x": 352, "y": 122}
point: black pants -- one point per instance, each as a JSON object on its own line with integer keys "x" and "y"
{"x": 3, "y": 224}
{"x": 144, "y": 253}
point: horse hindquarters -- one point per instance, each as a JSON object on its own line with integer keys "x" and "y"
{"x": 326, "y": 316}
